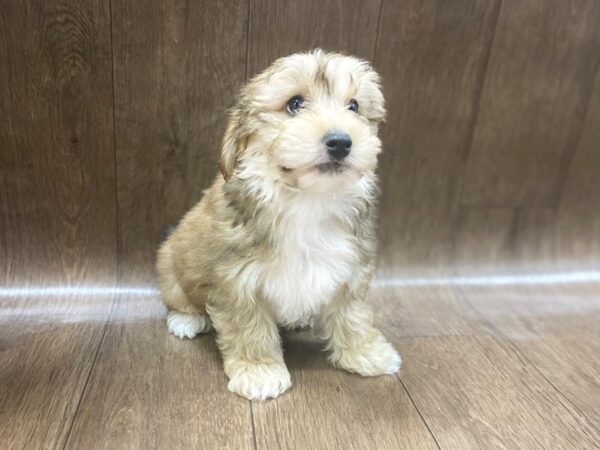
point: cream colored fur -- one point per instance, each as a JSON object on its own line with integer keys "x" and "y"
{"x": 278, "y": 242}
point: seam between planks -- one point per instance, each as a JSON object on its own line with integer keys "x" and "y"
{"x": 89, "y": 375}
{"x": 248, "y": 20}
{"x": 418, "y": 411}
{"x": 249, "y": 15}
{"x": 115, "y": 297}
{"x": 254, "y": 442}
{"x": 377, "y": 32}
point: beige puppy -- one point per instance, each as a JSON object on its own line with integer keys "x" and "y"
{"x": 286, "y": 234}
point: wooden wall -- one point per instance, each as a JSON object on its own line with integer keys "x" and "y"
{"x": 112, "y": 111}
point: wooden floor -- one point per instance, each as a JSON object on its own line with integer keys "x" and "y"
{"x": 488, "y": 362}
{"x": 111, "y": 115}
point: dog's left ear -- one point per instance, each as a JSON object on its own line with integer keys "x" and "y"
{"x": 234, "y": 143}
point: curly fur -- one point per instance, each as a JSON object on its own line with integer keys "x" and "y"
{"x": 277, "y": 242}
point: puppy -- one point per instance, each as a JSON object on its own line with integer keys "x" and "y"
{"x": 285, "y": 237}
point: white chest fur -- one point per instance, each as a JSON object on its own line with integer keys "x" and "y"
{"x": 314, "y": 254}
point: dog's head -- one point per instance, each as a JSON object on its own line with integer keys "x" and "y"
{"x": 309, "y": 121}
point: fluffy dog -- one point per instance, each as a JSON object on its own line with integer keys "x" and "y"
{"x": 286, "y": 234}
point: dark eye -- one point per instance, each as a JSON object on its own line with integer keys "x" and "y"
{"x": 294, "y": 104}
{"x": 353, "y": 106}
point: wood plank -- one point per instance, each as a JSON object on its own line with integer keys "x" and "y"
{"x": 432, "y": 57}
{"x": 177, "y": 68}
{"x": 539, "y": 78}
{"x": 57, "y": 208}
{"x": 476, "y": 392}
{"x": 47, "y": 348}
{"x": 504, "y": 241}
{"x": 578, "y": 214}
{"x": 280, "y": 28}
{"x": 484, "y": 240}
{"x": 419, "y": 306}
{"x": 570, "y": 361}
{"x": 555, "y": 327}
{"x": 535, "y": 240}
{"x": 150, "y": 389}
{"x": 329, "y": 408}
{"x": 530, "y": 309}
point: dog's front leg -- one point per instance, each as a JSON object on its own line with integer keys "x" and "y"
{"x": 355, "y": 344}
{"x": 250, "y": 344}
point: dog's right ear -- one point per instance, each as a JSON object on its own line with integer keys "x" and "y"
{"x": 234, "y": 143}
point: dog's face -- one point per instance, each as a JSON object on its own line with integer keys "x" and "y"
{"x": 310, "y": 121}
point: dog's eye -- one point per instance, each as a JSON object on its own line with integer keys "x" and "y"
{"x": 353, "y": 106}
{"x": 294, "y": 104}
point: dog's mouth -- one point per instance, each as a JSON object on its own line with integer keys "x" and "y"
{"x": 331, "y": 167}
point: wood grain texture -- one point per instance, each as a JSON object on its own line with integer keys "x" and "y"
{"x": 150, "y": 389}
{"x": 535, "y": 239}
{"x": 554, "y": 327}
{"x": 476, "y": 392}
{"x": 490, "y": 173}
{"x": 57, "y": 163}
{"x": 538, "y": 81}
{"x": 569, "y": 360}
{"x": 528, "y": 382}
{"x": 423, "y": 310}
{"x": 279, "y": 28}
{"x": 177, "y": 68}
{"x": 484, "y": 240}
{"x": 431, "y": 56}
{"x": 355, "y": 413}
{"x": 57, "y": 210}
{"x": 47, "y": 349}
{"x": 578, "y": 216}
{"x": 506, "y": 241}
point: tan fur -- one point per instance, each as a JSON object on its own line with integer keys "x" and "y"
{"x": 277, "y": 242}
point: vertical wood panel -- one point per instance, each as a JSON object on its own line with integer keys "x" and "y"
{"x": 484, "y": 240}
{"x": 57, "y": 208}
{"x": 579, "y": 214}
{"x": 177, "y": 68}
{"x": 279, "y": 28}
{"x": 535, "y": 239}
{"x": 432, "y": 57}
{"x": 510, "y": 241}
{"x": 539, "y": 77}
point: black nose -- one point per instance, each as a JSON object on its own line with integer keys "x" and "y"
{"x": 338, "y": 145}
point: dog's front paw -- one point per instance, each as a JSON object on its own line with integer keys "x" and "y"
{"x": 377, "y": 357}
{"x": 185, "y": 325}
{"x": 259, "y": 381}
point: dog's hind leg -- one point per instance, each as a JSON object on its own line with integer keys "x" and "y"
{"x": 185, "y": 319}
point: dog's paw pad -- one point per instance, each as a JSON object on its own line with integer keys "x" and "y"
{"x": 260, "y": 381}
{"x": 184, "y": 325}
